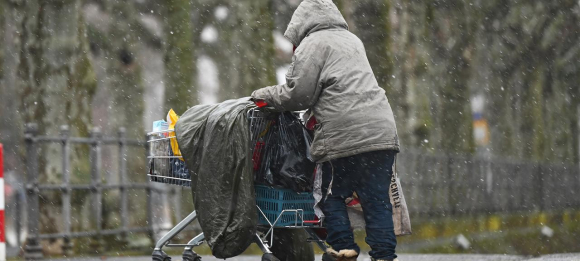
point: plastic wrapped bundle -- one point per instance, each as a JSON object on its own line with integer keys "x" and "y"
{"x": 214, "y": 141}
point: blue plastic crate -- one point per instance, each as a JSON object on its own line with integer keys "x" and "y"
{"x": 272, "y": 201}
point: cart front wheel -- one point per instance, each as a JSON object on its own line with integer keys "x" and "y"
{"x": 189, "y": 255}
{"x": 269, "y": 257}
{"x": 159, "y": 255}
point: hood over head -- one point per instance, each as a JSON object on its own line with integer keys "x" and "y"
{"x": 312, "y": 16}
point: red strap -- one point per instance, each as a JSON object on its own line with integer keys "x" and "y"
{"x": 311, "y": 122}
{"x": 261, "y": 103}
{"x": 353, "y": 202}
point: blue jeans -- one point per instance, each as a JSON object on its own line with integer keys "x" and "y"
{"x": 369, "y": 175}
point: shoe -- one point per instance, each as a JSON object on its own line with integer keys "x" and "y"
{"x": 343, "y": 255}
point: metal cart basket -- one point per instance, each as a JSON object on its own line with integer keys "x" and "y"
{"x": 277, "y": 208}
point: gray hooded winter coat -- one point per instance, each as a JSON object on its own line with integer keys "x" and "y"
{"x": 330, "y": 75}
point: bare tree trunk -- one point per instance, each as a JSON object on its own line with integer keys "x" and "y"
{"x": 118, "y": 40}
{"x": 411, "y": 86}
{"x": 180, "y": 91}
{"x": 370, "y": 22}
{"x": 5, "y": 131}
{"x": 2, "y": 30}
{"x": 254, "y": 42}
{"x": 247, "y": 45}
{"x": 394, "y": 39}
{"x": 55, "y": 76}
{"x": 452, "y": 34}
{"x": 123, "y": 70}
{"x": 56, "y": 83}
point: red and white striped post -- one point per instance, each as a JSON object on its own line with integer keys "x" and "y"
{"x": 2, "y": 223}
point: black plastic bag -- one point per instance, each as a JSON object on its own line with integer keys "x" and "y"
{"x": 285, "y": 157}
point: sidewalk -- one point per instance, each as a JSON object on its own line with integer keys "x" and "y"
{"x": 402, "y": 257}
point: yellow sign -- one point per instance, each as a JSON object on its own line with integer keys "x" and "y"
{"x": 481, "y": 132}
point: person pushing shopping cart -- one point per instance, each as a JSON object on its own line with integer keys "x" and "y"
{"x": 355, "y": 136}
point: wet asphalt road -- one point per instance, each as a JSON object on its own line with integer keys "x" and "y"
{"x": 402, "y": 257}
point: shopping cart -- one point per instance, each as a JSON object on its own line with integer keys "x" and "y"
{"x": 277, "y": 208}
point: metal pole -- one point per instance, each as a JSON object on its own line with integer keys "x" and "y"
{"x": 66, "y": 191}
{"x": 18, "y": 203}
{"x": 149, "y": 200}
{"x": 578, "y": 114}
{"x": 96, "y": 185}
{"x": 123, "y": 174}
{"x": 539, "y": 186}
{"x": 32, "y": 250}
{"x": 177, "y": 202}
{"x": 450, "y": 184}
{"x": 2, "y": 207}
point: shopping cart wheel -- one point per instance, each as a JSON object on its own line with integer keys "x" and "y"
{"x": 327, "y": 257}
{"x": 269, "y": 257}
{"x": 189, "y": 255}
{"x": 159, "y": 255}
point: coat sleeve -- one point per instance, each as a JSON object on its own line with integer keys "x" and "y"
{"x": 302, "y": 86}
